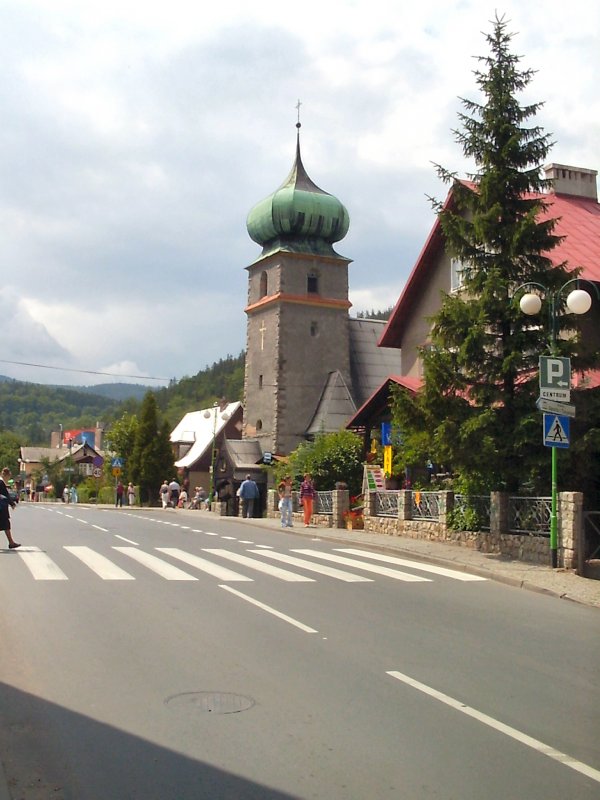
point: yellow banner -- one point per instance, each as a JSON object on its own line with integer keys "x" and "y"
{"x": 387, "y": 460}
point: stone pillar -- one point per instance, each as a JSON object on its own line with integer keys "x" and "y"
{"x": 405, "y": 504}
{"x": 570, "y": 522}
{"x": 340, "y": 499}
{"x": 499, "y": 513}
{"x": 446, "y": 505}
{"x": 369, "y": 509}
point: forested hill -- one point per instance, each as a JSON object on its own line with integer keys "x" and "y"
{"x": 32, "y": 411}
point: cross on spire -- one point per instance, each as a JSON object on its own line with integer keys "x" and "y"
{"x": 298, "y": 104}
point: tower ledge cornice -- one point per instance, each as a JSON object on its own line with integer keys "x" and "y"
{"x": 298, "y": 299}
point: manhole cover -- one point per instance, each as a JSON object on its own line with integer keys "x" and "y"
{"x": 216, "y": 702}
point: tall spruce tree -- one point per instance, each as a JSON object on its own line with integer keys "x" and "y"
{"x": 476, "y": 413}
{"x": 152, "y": 457}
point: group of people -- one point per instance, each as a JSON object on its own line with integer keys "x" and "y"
{"x": 172, "y": 495}
{"x": 307, "y": 497}
{"x": 121, "y": 492}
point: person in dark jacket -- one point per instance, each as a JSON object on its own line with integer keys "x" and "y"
{"x": 6, "y": 502}
{"x": 248, "y": 493}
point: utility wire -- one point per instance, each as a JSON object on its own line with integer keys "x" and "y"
{"x": 86, "y": 371}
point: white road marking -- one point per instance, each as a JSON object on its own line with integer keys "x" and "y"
{"x": 332, "y": 572}
{"x": 351, "y": 562}
{"x": 231, "y": 538}
{"x": 41, "y": 565}
{"x": 195, "y": 530}
{"x": 519, "y": 736}
{"x": 157, "y": 565}
{"x": 245, "y": 541}
{"x": 265, "y": 546}
{"x": 118, "y": 536}
{"x": 98, "y": 528}
{"x": 270, "y": 610}
{"x": 222, "y": 573}
{"x": 405, "y": 562}
{"x": 99, "y": 564}
{"x": 276, "y": 572}
{"x": 209, "y": 533}
{"x": 85, "y": 522}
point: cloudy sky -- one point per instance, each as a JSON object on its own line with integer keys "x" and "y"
{"x": 136, "y": 136}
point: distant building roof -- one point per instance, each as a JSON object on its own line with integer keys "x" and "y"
{"x": 378, "y": 402}
{"x": 335, "y": 406}
{"x": 369, "y": 364}
{"x": 198, "y": 429}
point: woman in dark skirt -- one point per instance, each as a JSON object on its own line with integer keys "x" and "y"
{"x": 5, "y": 502}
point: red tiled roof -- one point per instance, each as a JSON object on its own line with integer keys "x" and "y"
{"x": 578, "y": 220}
{"x": 379, "y": 399}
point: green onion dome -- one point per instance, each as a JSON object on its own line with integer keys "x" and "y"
{"x": 299, "y": 216}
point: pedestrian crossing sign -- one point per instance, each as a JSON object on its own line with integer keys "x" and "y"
{"x": 556, "y": 430}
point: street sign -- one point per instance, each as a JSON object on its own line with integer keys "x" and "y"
{"x": 118, "y": 462}
{"x": 97, "y": 472}
{"x": 267, "y": 458}
{"x": 555, "y": 378}
{"x": 552, "y": 407}
{"x": 116, "y": 471}
{"x": 556, "y": 430}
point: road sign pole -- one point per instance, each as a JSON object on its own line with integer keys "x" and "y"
{"x": 553, "y": 513}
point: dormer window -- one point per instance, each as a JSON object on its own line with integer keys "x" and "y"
{"x": 457, "y": 273}
{"x": 312, "y": 283}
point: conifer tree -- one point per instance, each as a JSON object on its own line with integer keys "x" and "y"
{"x": 476, "y": 413}
{"x": 152, "y": 457}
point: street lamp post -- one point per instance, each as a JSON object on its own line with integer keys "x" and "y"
{"x": 213, "y": 457}
{"x": 578, "y": 301}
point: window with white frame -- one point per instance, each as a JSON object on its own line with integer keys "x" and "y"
{"x": 457, "y": 271}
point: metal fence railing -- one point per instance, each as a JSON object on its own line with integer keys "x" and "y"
{"x": 386, "y": 504}
{"x": 471, "y": 512}
{"x": 529, "y": 515}
{"x": 324, "y": 503}
{"x": 425, "y": 505}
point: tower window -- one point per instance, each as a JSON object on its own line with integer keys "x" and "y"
{"x": 312, "y": 284}
{"x": 260, "y": 381}
{"x": 263, "y": 284}
{"x": 314, "y": 329}
{"x": 259, "y": 424}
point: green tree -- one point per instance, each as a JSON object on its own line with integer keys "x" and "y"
{"x": 331, "y": 458}
{"x": 120, "y": 440}
{"x": 9, "y": 452}
{"x": 476, "y": 412}
{"x": 152, "y": 456}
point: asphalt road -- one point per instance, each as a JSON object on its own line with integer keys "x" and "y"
{"x": 145, "y": 656}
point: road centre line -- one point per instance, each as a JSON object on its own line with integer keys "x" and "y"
{"x": 352, "y": 562}
{"x": 126, "y": 540}
{"x": 519, "y": 736}
{"x": 84, "y": 521}
{"x": 98, "y": 528}
{"x": 269, "y": 610}
{"x": 405, "y": 562}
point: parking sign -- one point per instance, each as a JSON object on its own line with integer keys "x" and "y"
{"x": 555, "y": 378}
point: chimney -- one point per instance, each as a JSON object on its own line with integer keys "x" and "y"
{"x": 576, "y": 181}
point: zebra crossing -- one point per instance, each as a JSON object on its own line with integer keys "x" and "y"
{"x": 347, "y": 565}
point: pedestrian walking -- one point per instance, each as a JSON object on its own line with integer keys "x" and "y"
{"x": 6, "y": 502}
{"x": 120, "y": 492}
{"x": 174, "y": 493}
{"x": 285, "y": 501}
{"x": 307, "y": 496}
{"x": 131, "y": 494}
{"x": 164, "y": 494}
{"x": 248, "y": 493}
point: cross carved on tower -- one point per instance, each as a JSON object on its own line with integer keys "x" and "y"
{"x": 262, "y": 330}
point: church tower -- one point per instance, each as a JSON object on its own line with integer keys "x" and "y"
{"x": 297, "y": 312}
